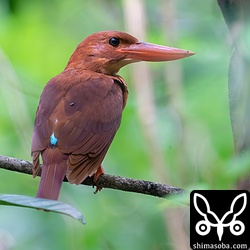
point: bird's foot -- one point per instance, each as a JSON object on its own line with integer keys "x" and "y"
{"x": 99, "y": 172}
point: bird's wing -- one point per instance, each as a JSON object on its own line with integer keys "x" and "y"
{"x": 80, "y": 115}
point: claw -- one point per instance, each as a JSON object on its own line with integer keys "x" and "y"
{"x": 99, "y": 172}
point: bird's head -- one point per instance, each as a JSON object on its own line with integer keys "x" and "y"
{"x": 108, "y": 51}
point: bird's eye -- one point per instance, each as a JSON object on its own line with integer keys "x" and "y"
{"x": 114, "y": 41}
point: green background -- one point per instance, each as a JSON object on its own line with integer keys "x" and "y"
{"x": 186, "y": 142}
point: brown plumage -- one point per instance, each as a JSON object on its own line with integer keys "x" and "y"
{"x": 80, "y": 109}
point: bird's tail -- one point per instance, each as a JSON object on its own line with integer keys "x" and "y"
{"x": 53, "y": 172}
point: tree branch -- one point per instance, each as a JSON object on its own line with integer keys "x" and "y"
{"x": 104, "y": 181}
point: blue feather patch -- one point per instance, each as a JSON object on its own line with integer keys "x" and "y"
{"x": 53, "y": 139}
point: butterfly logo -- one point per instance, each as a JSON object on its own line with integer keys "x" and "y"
{"x": 210, "y": 219}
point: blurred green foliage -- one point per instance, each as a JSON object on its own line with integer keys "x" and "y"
{"x": 36, "y": 40}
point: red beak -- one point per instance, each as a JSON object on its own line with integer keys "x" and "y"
{"x": 142, "y": 51}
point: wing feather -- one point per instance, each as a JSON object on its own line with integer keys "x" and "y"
{"x": 84, "y": 112}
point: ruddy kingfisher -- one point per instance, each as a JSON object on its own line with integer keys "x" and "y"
{"x": 80, "y": 109}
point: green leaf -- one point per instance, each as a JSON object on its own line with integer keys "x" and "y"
{"x": 38, "y": 203}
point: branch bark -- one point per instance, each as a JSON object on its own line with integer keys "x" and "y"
{"x": 104, "y": 181}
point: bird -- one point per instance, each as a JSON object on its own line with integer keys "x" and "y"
{"x": 80, "y": 109}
